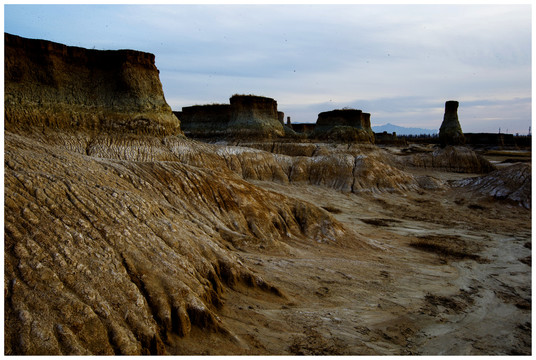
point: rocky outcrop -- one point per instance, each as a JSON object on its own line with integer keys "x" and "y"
{"x": 246, "y": 117}
{"x": 254, "y": 116}
{"x": 365, "y": 121}
{"x": 512, "y": 184}
{"x": 281, "y": 117}
{"x": 346, "y": 125}
{"x": 205, "y": 120}
{"x": 450, "y": 132}
{"x": 63, "y": 87}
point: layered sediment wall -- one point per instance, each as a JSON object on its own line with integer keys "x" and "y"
{"x": 247, "y": 116}
{"x": 345, "y": 124}
{"x": 205, "y": 120}
{"x": 346, "y": 117}
{"x": 254, "y": 116}
{"x": 53, "y": 85}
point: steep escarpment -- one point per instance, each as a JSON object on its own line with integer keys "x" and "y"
{"x": 254, "y": 116}
{"x": 246, "y": 117}
{"x": 63, "y": 87}
{"x": 205, "y": 120}
{"x": 347, "y": 125}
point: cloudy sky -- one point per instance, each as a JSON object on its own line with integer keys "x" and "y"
{"x": 398, "y": 62}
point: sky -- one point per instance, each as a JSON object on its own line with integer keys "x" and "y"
{"x": 400, "y": 63}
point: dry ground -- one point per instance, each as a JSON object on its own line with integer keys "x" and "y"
{"x": 431, "y": 273}
{"x": 153, "y": 247}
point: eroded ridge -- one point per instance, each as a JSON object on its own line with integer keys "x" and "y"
{"x": 108, "y": 256}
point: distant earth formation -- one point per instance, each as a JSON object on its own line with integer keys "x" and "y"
{"x": 224, "y": 230}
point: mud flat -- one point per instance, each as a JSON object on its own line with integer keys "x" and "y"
{"x": 440, "y": 274}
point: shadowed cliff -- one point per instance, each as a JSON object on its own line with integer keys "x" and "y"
{"x": 63, "y": 87}
{"x": 246, "y": 117}
{"x": 346, "y": 125}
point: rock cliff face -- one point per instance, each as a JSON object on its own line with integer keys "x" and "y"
{"x": 254, "y": 116}
{"x": 205, "y": 120}
{"x": 348, "y": 125}
{"x": 450, "y": 132}
{"x": 246, "y": 117}
{"x": 52, "y": 85}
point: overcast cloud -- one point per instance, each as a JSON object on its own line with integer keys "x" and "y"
{"x": 398, "y": 62}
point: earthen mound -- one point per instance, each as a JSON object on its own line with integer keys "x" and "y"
{"x": 346, "y": 125}
{"x": 246, "y": 117}
{"x": 63, "y": 87}
{"x": 512, "y": 183}
{"x": 451, "y": 158}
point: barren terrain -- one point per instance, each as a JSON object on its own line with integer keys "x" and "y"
{"x": 429, "y": 273}
{"x": 211, "y": 253}
{"x": 122, "y": 236}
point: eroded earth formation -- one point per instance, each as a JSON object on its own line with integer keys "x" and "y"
{"x": 450, "y": 132}
{"x": 247, "y": 116}
{"x": 122, "y": 236}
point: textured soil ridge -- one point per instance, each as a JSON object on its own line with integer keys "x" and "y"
{"x": 107, "y": 256}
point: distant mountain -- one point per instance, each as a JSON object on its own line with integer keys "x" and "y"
{"x": 400, "y": 130}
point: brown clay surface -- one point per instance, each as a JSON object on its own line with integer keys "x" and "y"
{"x": 117, "y": 256}
{"x": 430, "y": 273}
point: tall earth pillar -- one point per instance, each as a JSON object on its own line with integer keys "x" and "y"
{"x": 450, "y": 132}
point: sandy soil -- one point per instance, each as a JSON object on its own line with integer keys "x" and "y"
{"x": 431, "y": 273}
